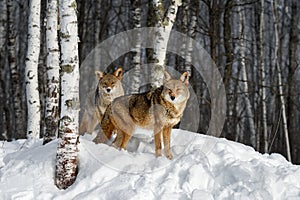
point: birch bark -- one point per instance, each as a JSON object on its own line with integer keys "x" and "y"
{"x": 67, "y": 150}
{"x": 164, "y": 25}
{"x": 52, "y": 94}
{"x": 31, "y": 72}
{"x": 137, "y": 51}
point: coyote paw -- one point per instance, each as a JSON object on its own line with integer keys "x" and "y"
{"x": 158, "y": 153}
{"x": 116, "y": 146}
{"x": 169, "y": 155}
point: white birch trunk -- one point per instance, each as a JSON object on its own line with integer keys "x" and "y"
{"x": 263, "y": 77}
{"x": 249, "y": 110}
{"x": 52, "y": 95}
{"x": 282, "y": 100}
{"x": 67, "y": 150}
{"x": 137, "y": 55}
{"x": 161, "y": 41}
{"x": 31, "y": 72}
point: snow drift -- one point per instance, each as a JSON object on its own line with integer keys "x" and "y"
{"x": 203, "y": 168}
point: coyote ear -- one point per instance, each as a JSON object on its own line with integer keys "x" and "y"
{"x": 99, "y": 74}
{"x": 118, "y": 73}
{"x": 167, "y": 76}
{"x": 185, "y": 78}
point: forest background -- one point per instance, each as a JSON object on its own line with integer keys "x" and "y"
{"x": 255, "y": 47}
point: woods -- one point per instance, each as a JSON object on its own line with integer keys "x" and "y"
{"x": 255, "y": 45}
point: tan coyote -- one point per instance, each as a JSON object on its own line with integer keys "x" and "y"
{"x": 109, "y": 87}
{"x": 158, "y": 110}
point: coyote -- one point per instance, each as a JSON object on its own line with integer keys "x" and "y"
{"x": 158, "y": 110}
{"x": 109, "y": 87}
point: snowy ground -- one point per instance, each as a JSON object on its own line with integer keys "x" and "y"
{"x": 203, "y": 168}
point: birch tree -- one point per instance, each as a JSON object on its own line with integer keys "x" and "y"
{"x": 137, "y": 51}
{"x": 52, "y": 94}
{"x": 67, "y": 150}
{"x": 249, "y": 110}
{"x": 31, "y": 71}
{"x": 164, "y": 21}
{"x": 279, "y": 73}
{"x": 263, "y": 77}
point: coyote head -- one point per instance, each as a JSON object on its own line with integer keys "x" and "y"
{"x": 108, "y": 82}
{"x": 176, "y": 91}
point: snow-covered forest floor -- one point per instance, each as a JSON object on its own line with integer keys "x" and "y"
{"x": 203, "y": 168}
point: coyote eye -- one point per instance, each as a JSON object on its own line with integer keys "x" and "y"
{"x": 105, "y": 84}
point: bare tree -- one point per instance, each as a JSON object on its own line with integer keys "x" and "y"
{"x": 192, "y": 28}
{"x": 213, "y": 28}
{"x": 249, "y": 110}
{"x": 66, "y": 164}
{"x": 277, "y": 64}
{"x": 3, "y": 32}
{"x": 31, "y": 71}
{"x": 292, "y": 100}
{"x": 3, "y": 27}
{"x": 52, "y": 94}
{"x": 228, "y": 47}
{"x": 14, "y": 71}
{"x": 227, "y": 43}
{"x": 263, "y": 78}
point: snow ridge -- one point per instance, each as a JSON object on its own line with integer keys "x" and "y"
{"x": 203, "y": 168}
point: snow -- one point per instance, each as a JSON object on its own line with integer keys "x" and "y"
{"x": 203, "y": 168}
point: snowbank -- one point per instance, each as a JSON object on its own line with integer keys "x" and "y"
{"x": 203, "y": 168}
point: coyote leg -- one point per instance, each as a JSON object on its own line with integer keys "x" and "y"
{"x": 166, "y": 138}
{"x": 126, "y": 138}
{"x": 119, "y": 139}
{"x": 157, "y": 141}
